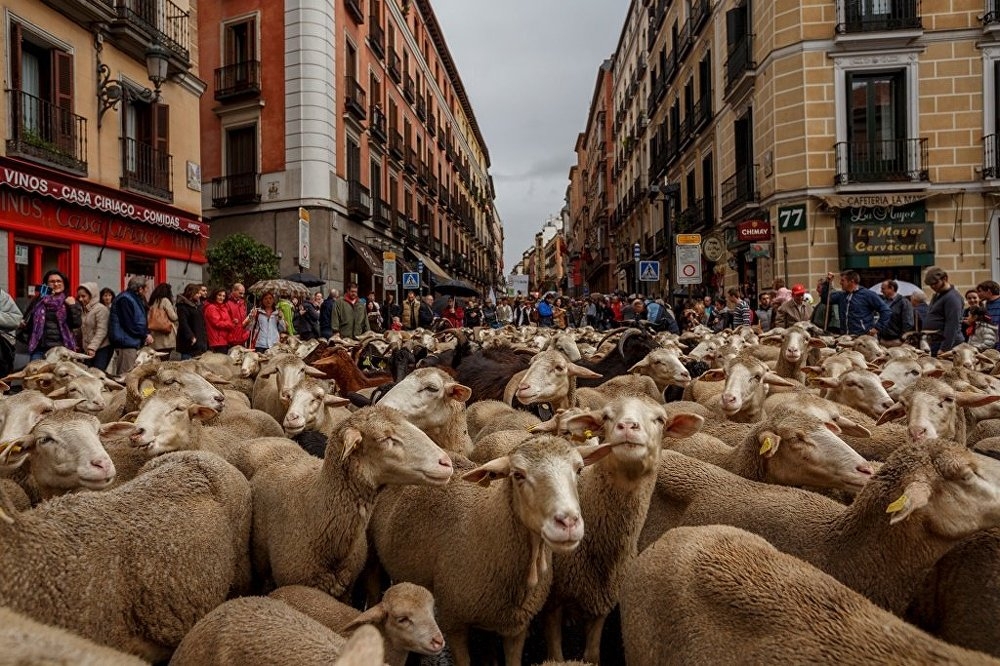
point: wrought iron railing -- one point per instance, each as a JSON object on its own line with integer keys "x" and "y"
{"x": 44, "y": 132}
{"x": 236, "y": 190}
{"x": 740, "y": 61}
{"x": 991, "y": 156}
{"x": 886, "y": 160}
{"x": 237, "y": 79}
{"x": 382, "y": 213}
{"x": 376, "y": 127}
{"x": 146, "y": 169}
{"x": 354, "y": 97}
{"x": 166, "y": 22}
{"x": 394, "y": 69}
{"x": 376, "y": 36}
{"x": 854, "y": 16}
{"x": 359, "y": 200}
{"x": 740, "y": 189}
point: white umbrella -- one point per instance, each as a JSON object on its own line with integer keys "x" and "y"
{"x": 905, "y": 288}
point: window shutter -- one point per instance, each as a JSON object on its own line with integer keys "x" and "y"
{"x": 62, "y": 80}
{"x": 161, "y": 144}
{"x": 251, "y": 53}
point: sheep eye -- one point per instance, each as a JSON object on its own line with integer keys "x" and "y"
{"x": 519, "y": 475}
{"x": 432, "y": 389}
{"x": 948, "y": 400}
{"x": 913, "y": 373}
{"x": 180, "y": 409}
{"x": 47, "y": 410}
{"x": 579, "y": 470}
{"x": 560, "y": 368}
{"x": 403, "y": 620}
{"x": 169, "y": 382}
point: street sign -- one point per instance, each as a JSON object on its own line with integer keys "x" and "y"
{"x": 388, "y": 256}
{"x": 420, "y": 266}
{"x": 389, "y": 281}
{"x": 389, "y": 271}
{"x": 688, "y": 264}
{"x": 792, "y": 218}
{"x": 303, "y": 238}
{"x": 635, "y": 251}
{"x": 411, "y": 280}
{"x": 689, "y": 239}
{"x": 649, "y": 271}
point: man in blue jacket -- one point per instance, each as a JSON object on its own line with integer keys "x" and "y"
{"x": 127, "y": 329}
{"x": 858, "y": 307}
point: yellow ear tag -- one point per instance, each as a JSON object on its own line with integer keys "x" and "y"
{"x": 897, "y": 505}
{"x": 766, "y": 446}
{"x": 587, "y": 434}
{"x": 148, "y": 391}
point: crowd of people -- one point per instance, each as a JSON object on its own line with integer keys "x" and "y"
{"x": 110, "y": 328}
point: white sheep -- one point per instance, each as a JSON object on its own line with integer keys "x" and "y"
{"x": 434, "y": 402}
{"x": 25, "y": 641}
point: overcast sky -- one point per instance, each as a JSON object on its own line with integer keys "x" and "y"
{"x": 529, "y": 68}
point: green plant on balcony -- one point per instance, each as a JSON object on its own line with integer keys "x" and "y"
{"x": 31, "y": 137}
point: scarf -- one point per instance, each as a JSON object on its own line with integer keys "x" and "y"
{"x": 56, "y": 305}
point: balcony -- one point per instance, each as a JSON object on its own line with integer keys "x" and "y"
{"x": 991, "y": 19}
{"x": 236, "y": 190}
{"x": 700, "y": 11}
{"x": 864, "y": 16}
{"x": 740, "y": 65}
{"x": 45, "y": 133}
{"x": 376, "y": 128}
{"x": 691, "y": 219}
{"x": 382, "y": 212}
{"x": 422, "y": 170}
{"x": 410, "y": 163}
{"x": 376, "y": 37}
{"x": 409, "y": 90}
{"x": 353, "y": 8}
{"x": 440, "y": 139}
{"x": 991, "y": 156}
{"x": 421, "y": 109}
{"x": 395, "y": 144}
{"x": 431, "y": 122}
{"x": 238, "y": 80}
{"x": 146, "y": 170}
{"x": 432, "y": 184}
{"x": 354, "y": 98}
{"x": 141, "y": 22}
{"x": 359, "y": 201}
{"x": 881, "y": 161}
{"x": 740, "y": 189}
{"x": 394, "y": 71}
{"x": 703, "y": 111}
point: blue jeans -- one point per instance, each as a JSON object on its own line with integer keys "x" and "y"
{"x": 101, "y": 358}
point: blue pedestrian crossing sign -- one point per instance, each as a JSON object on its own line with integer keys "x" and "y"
{"x": 411, "y": 280}
{"x": 649, "y": 271}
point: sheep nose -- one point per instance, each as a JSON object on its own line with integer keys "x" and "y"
{"x": 865, "y": 469}
{"x": 137, "y": 434}
{"x": 917, "y": 433}
{"x": 567, "y": 521}
{"x": 627, "y": 424}
{"x": 437, "y": 643}
{"x": 445, "y": 461}
{"x": 100, "y": 464}
{"x": 729, "y": 398}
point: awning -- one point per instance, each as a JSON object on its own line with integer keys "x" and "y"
{"x": 431, "y": 265}
{"x": 370, "y": 256}
{"x": 881, "y": 199}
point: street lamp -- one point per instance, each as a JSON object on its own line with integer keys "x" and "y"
{"x": 110, "y": 92}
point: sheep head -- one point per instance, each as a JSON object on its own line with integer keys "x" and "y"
{"x": 405, "y": 617}
{"x": 163, "y": 423}
{"x": 799, "y": 449}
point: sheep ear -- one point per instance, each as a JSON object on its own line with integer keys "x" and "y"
{"x": 916, "y": 495}
{"x": 495, "y": 469}
{"x": 351, "y": 438}
{"x": 67, "y": 403}
{"x": 644, "y": 363}
{"x": 116, "y": 429}
{"x": 59, "y": 392}
{"x": 833, "y": 427}
{"x": 458, "y": 392}
{"x": 769, "y": 443}
{"x": 335, "y": 401}
{"x": 812, "y": 371}
{"x": 314, "y": 372}
{"x": 267, "y": 372}
{"x": 683, "y": 425}
{"x": 201, "y": 413}
{"x": 936, "y": 373}
{"x": 816, "y": 343}
{"x": 898, "y": 410}
{"x": 131, "y": 416}
{"x": 112, "y": 384}
{"x": 825, "y": 382}
{"x": 594, "y": 452}
{"x": 213, "y": 378}
{"x": 581, "y": 424}
{"x": 888, "y": 383}
{"x": 550, "y": 426}
{"x": 574, "y": 370}
{"x": 970, "y": 399}
{"x": 4, "y": 388}
{"x": 713, "y": 375}
{"x": 13, "y": 454}
{"x": 777, "y": 380}
{"x": 851, "y": 428}
{"x": 374, "y": 615}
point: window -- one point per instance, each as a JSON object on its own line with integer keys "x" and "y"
{"x": 241, "y": 163}
{"x": 43, "y": 125}
{"x": 876, "y": 125}
{"x": 240, "y": 42}
{"x": 240, "y": 71}
{"x": 146, "y": 159}
{"x": 376, "y": 179}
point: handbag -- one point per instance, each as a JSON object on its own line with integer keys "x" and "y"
{"x": 158, "y": 321}
{"x": 7, "y": 355}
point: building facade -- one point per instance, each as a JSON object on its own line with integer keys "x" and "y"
{"x": 804, "y": 137}
{"x": 100, "y": 177}
{"x": 354, "y": 114}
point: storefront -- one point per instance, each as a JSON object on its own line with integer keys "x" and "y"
{"x": 886, "y": 241}
{"x": 751, "y": 254}
{"x": 91, "y": 233}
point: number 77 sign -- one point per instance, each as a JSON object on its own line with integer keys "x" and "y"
{"x": 792, "y": 218}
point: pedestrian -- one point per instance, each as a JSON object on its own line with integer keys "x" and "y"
{"x": 453, "y": 313}
{"x": 862, "y": 311}
{"x": 349, "y": 317}
{"x": 795, "y": 309}
{"x": 781, "y": 295}
{"x": 374, "y": 313}
{"x": 901, "y": 320}
{"x": 219, "y": 322}
{"x": 637, "y": 312}
{"x": 918, "y": 300}
{"x": 545, "y": 311}
{"x": 127, "y": 327}
{"x": 764, "y": 311}
{"x": 983, "y": 334}
{"x": 410, "y": 315}
{"x": 309, "y": 314}
{"x": 237, "y": 306}
{"x": 739, "y": 308}
{"x": 617, "y": 311}
{"x": 287, "y": 311}
{"x": 192, "y": 338}
{"x": 107, "y": 297}
{"x": 989, "y": 297}
{"x": 94, "y": 326}
{"x": 425, "y": 314}
{"x": 390, "y": 309}
{"x": 162, "y": 320}
{"x": 473, "y": 314}
{"x": 505, "y": 313}
{"x": 10, "y": 320}
{"x": 944, "y": 314}
{"x": 521, "y": 312}
{"x": 326, "y": 314}
{"x": 51, "y": 317}
{"x": 396, "y": 325}
{"x": 268, "y": 324}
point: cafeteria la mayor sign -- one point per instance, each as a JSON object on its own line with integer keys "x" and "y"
{"x": 882, "y": 230}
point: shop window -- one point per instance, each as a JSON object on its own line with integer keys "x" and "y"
{"x": 147, "y": 164}
{"x": 145, "y": 267}
{"x": 31, "y": 261}
{"x": 43, "y": 125}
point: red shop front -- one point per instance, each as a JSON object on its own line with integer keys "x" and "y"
{"x": 91, "y": 233}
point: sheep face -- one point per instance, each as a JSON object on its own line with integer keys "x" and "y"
{"x": 547, "y": 379}
{"x": 19, "y": 413}
{"x": 406, "y": 617}
{"x": 665, "y": 367}
{"x": 746, "y": 379}
{"x": 288, "y": 370}
{"x": 954, "y": 492}
{"x": 75, "y": 382}
{"x": 426, "y": 397}
{"x": 868, "y": 347}
{"x": 194, "y": 385}
{"x": 66, "y": 452}
{"x": 565, "y": 343}
{"x": 861, "y": 389}
{"x": 393, "y": 450}
{"x": 902, "y": 372}
{"x": 249, "y": 364}
{"x": 802, "y": 450}
{"x": 543, "y": 474}
{"x": 931, "y": 407}
{"x": 164, "y": 421}
{"x": 305, "y": 408}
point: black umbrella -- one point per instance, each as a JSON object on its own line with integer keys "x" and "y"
{"x": 456, "y": 288}
{"x": 308, "y": 279}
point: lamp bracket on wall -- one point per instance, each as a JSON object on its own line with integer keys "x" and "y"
{"x": 111, "y": 91}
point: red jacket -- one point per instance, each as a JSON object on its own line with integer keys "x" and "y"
{"x": 219, "y": 325}
{"x": 237, "y": 312}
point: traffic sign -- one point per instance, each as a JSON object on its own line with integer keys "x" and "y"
{"x": 649, "y": 271}
{"x": 635, "y": 251}
{"x": 688, "y": 264}
{"x": 411, "y": 280}
{"x": 689, "y": 239}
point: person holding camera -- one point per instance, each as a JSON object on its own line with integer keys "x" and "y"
{"x": 52, "y": 317}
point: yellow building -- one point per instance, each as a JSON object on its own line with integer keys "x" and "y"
{"x": 806, "y": 136}
{"x": 100, "y": 174}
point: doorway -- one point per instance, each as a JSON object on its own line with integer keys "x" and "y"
{"x": 31, "y": 261}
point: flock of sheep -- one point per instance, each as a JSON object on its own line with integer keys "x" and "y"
{"x": 620, "y": 498}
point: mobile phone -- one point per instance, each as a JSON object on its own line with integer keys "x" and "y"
{"x": 44, "y": 290}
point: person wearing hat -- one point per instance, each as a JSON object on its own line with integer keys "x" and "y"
{"x": 794, "y": 309}
{"x": 902, "y": 315}
{"x": 52, "y": 317}
{"x": 862, "y": 311}
{"x": 94, "y": 326}
{"x": 945, "y": 311}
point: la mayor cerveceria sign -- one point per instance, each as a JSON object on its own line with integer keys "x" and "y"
{"x": 872, "y": 236}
